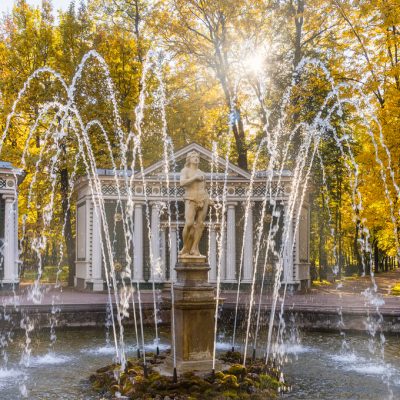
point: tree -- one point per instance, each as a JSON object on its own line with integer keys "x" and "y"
{"x": 215, "y": 34}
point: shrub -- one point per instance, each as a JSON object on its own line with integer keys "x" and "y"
{"x": 396, "y": 289}
{"x": 321, "y": 283}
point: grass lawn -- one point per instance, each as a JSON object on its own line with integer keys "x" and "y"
{"x": 49, "y": 274}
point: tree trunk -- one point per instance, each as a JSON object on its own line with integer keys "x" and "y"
{"x": 376, "y": 256}
{"x": 298, "y": 54}
{"x": 222, "y": 73}
{"x": 357, "y": 254}
{"x": 137, "y": 33}
{"x": 323, "y": 270}
{"x": 298, "y": 20}
{"x": 241, "y": 148}
{"x": 69, "y": 238}
{"x": 235, "y": 120}
{"x": 340, "y": 224}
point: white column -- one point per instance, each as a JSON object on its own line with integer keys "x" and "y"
{"x": 288, "y": 250}
{"x": 248, "y": 247}
{"x": 138, "y": 243}
{"x": 16, "y": 247}
{"x": 222, "y": 256}
{"x": 10, "y": 262}
{"x": 173, "y": 252}
{"x": 163, "y": 251}
{"x": 96, "y": 249}
{"x": 230, "y": 244}
{"x": 213, "y": 254}
{"x": 155, "y": 242}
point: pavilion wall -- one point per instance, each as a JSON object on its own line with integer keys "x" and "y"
{"x": 153, "y": 254}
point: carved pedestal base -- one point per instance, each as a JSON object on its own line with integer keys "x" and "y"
{"x": 194, "y": 315}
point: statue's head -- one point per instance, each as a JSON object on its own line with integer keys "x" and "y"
{"x": 192, "y": 158}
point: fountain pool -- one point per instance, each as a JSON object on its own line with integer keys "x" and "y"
{"x": 319, "y": 369}
{"x": 316, "y": 366}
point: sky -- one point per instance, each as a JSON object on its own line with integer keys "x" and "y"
{"x": 7, "y": 5}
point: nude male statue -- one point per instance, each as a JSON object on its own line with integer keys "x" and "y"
{"x": 196, "y": 204}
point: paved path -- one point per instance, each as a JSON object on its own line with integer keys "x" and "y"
{"x": 354, "y": 295}
{"x": 384, "y": 281}
{"x": 346, "y": 295}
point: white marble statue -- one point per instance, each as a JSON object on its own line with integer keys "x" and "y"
{"x": 196, "y": 204}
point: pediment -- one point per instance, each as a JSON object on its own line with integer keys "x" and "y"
{"x": 207, "y": 159}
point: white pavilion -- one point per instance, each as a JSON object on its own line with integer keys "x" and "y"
{"x": 156, "y": 206}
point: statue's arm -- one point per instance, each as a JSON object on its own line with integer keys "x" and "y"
{"x": 185, "y": 180}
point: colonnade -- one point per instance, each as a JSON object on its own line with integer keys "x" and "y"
{"x": 159, "y": 240}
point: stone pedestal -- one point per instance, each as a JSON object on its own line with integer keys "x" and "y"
{"x": 194, "y": 315}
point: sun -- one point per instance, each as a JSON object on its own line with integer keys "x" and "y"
{"x": 255, "y": 63}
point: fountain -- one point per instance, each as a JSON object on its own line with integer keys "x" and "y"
{"x": 193, "y": 306}
{"x": 196, "y": 280}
